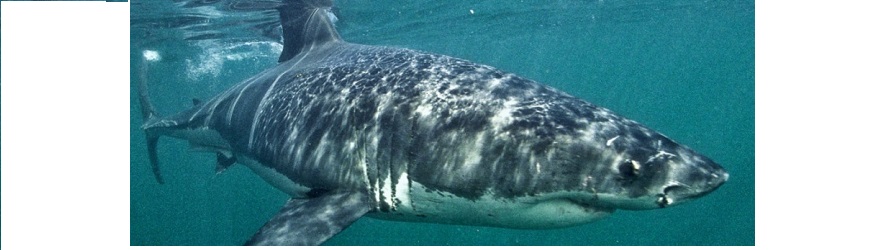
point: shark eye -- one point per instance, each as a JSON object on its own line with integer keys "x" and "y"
{"x": 629, "y": 169}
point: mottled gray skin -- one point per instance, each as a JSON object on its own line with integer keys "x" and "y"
{"x": 425, "y": 137}
{"x": 317, "y": 117}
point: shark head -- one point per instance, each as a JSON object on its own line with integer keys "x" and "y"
{"x": 643, "y": 169}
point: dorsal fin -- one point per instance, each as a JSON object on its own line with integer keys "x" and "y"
{"x": 306, "y": 24}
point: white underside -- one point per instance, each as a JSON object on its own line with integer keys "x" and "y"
{"x": 534, "y": 212}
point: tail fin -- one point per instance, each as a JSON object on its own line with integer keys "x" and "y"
{"x": 148, "y": 113}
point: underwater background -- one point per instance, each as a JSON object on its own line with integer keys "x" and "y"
{"x": 683, "y": 68}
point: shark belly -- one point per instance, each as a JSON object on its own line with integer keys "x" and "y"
{"x": 539, "y": 212}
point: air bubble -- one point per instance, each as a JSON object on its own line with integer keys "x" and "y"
{"x": 151, "y": 55}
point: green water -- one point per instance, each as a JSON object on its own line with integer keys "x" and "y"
{"x": 683, "y": 68}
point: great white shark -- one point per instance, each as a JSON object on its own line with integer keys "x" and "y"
{"x": 349, "y": 130}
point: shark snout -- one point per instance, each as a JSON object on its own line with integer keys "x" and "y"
{"x": 702, "y": 184}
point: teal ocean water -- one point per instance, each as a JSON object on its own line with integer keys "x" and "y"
{"x": 72, "y": 0}
{"x": 683, "y": 68}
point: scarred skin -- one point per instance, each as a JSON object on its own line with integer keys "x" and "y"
{"x": 431, "y": 138}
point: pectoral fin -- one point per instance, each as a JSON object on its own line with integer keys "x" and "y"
{"x": 312, "y": 221}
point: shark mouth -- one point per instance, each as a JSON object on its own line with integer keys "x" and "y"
{"x": 678, "y": 193}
